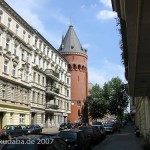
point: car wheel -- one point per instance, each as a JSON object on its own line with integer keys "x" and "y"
{"x": 9, "y": 137}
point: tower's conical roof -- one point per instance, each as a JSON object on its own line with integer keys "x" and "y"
{"x": 71, "y": 43}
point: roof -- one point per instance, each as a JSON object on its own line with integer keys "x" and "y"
{"x": 71, "y": 43}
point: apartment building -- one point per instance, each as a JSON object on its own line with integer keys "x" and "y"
{"x": 34, "y": 81}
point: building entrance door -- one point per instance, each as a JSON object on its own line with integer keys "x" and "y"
{"x": 1, "y": 120}
{"x": 33, "y": 118}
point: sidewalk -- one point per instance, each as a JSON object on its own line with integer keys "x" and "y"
{"x": 50, "y": 130}
{"x": 124, "y": 140}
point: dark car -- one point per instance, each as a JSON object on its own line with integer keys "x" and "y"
{"x": 65, "y": 125}
{"x": 33, "y": 129}
{"x": 101, "y": 129}
{"x": 93, "y": 133}
{"x": 10, "y": 131}
{"x": 76, "y": 139}
{"x": 36, "y": 142}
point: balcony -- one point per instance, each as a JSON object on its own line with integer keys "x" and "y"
{"x": 51, "y": 90}
{"x": 53, "y": 74}
{"x": 52, "y": 106}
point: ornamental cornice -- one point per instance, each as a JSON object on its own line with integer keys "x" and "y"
{"x": 74, "y": 53}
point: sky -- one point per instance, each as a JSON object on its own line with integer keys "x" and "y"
{"x": 94, "y": 23}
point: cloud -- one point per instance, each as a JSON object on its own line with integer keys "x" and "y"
{"x": 107, "y": 3}
{"x": 29, "y": 14}
{"x": 86, "y": 46}
{"x": 105, "y": 73}
{"x": 105, "y": 15}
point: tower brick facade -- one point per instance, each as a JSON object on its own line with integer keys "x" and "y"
{"x": 76, "y": 56}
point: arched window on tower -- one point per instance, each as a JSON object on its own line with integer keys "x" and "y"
{"x": 79, "y": 113}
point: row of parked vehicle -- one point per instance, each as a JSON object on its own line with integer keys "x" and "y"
{"x": 10, "y": 131}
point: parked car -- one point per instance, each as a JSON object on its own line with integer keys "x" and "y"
{"x": 31, "y": 129}
{"x": 93, "y": 133}
{"x": 10, "y": 131}
{"x": 66, "y": 125}
{"x": 76, "y": 139}
{"x": 36, "y": 142}
{"x": 101, "y": 129}
{"x": 109, "y": 127}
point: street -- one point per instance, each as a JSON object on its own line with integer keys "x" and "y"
{"x": 125, "y": 140}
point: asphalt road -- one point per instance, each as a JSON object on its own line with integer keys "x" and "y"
{"x": 125, "y": 140}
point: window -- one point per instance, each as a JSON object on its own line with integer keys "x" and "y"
{"x": 15, "y": 49}
{"x": 22, "y": 55}
{"x": 33, "y": 97}
{"x": 56, "y": 59}
{"x": 29, "y": 39}
{"x": 43, "y": 64}
{"x": 12, "y": 93}
{"x": 7, "y": 43}
{"x": 43, "y": 81}
{"x": 28, "y": 58}
{"x": 79, "y": 114}
{"x": 24, "y": 35}
{"x": 44, "y": 49}
{"x": 25, "y": 96}
{"x": 35, "y": 42}
{"x": 78, "y": 103}
{"x": 9, "y": 23}
{"x": 21, "y": 95}
{"x": 40, "y": 45}
{"x": 48, "y": 52}
{"x": 3, "y": 91}
{"x": 39, "y": 62}
{"x": 6, "y": 66}
{"x": 68, "y": 93}
{"x": 17, "y": 29}
{"x": 34, "y": 76}
{"x": 52, "y": 55}
{"x": 14, "y": 71}
{"x": 11, "y": 118}
{"x": 1, "y": 14}
{"x": 38, "y": 98}
{"x": 39, "y": 79}
{"x": 67, "y": 80}
{"x": 22, "y": 119}
{"x": 35, "y": 58}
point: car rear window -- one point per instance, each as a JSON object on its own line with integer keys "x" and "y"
{"x": 68, "y": 135}
{"x": 108, "y": 125}
{"x": 87, "y": 130}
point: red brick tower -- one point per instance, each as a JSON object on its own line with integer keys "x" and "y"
{"x": 74, "y": 53}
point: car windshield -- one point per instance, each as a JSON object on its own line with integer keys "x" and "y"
{"x": 29, "y": 127}
{"x": 68, "y": 135}
{"x": 8, "y": 127}
{"x": 19, "y": 147}
{"x": 107, "y": 125}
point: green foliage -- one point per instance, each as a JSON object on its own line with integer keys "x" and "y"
{"x": 112, "y": 98}
{"x": 96, "y": 103}
{"x": 116, "y": 97}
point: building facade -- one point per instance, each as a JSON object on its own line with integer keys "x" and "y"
{"x": 34, "y": 81}
{"x": 133, "y": 18}
{"x": 76, "y": 56}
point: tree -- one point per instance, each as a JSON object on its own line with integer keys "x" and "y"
{"x": 115, "y": 95}
{"x": 96, "y": 103}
